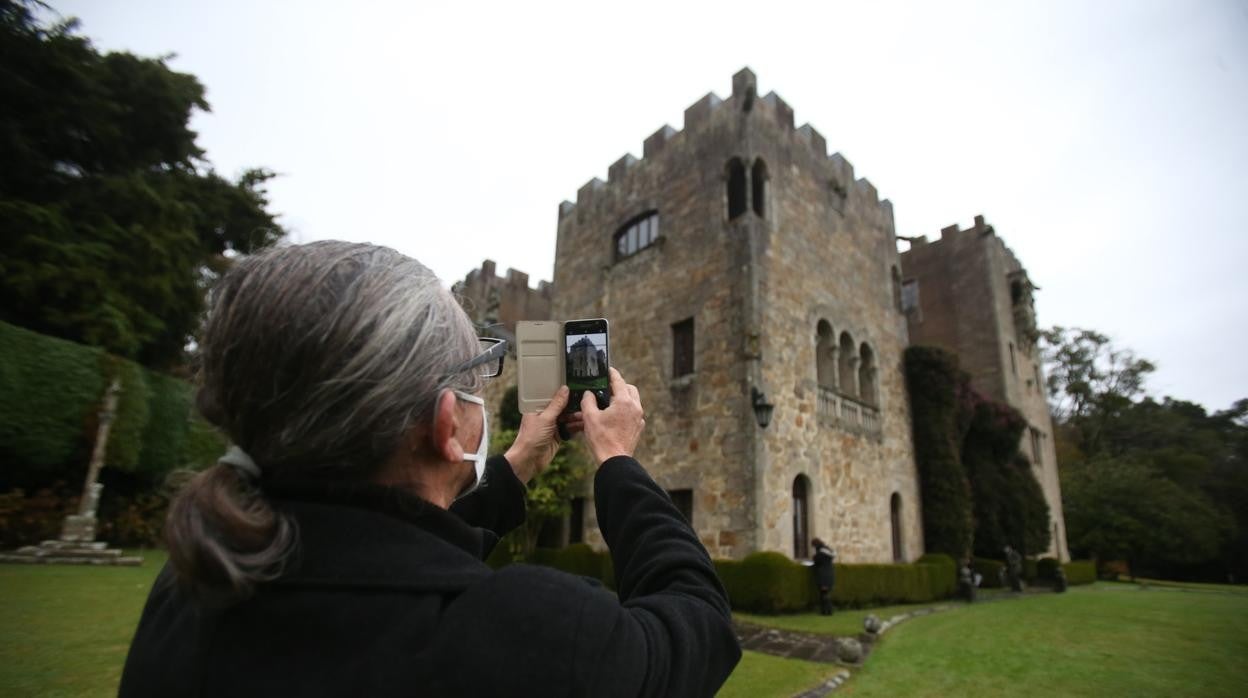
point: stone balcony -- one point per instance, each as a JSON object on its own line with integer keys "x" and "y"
{"x": 848, "y": 413}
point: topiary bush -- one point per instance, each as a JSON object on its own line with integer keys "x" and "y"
{"x": 860, "y": 585}
{"x": 1046, "y": 568}
{"x": 168, "y": 424}
{"x": 767, "y": 582}
{"x": 990, "y": 570}
{"x": 944, "y": 575}
{"x": 125, "y": 438}
{"x": 1080, "y": 572}
{"x": 49, "y": 393}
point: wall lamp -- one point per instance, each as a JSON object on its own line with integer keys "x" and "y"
{"x": 762, "y": 408}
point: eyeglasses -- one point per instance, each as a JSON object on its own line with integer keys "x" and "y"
{"x": 489, "y": 362}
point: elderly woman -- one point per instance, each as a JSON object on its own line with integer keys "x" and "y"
{"x": 337, "y": 548}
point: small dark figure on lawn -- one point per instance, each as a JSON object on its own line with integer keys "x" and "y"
{"x": 966, "y": 581}
{"x": 1014, "y": 568}
{"x": 825, "y": 577}
{"x": 1059, "y": 582}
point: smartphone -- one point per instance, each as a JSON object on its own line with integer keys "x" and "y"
{"x": 586, "y": 359}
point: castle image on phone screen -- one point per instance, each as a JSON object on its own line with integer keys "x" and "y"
{"x": 587, "y": 362}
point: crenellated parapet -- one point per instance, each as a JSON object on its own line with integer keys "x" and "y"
{"x": 771, "y": 109}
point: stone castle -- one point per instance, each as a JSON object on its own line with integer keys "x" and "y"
{"x": 759, "y": 303}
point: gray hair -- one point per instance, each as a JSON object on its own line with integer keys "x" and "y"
{"x": 315, "y": 360}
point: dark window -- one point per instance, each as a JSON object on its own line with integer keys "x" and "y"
{"x": 896, "y": 289}
{"x": 683, "y": 499}
{"x": 760, "y": 186}
{"x": 576, "y": 521}
{"x": 801, "y": 518}
{"x": 737, "y": 202}
{"x": 910, "y": 296}
{"x": 1013, "y": 360}
{"x": 637, "y": 234}
{"x": 825, "y": 355}
{"x": 895, "y": 512}
{"x": 682, "y": 348}
{"x": 1037, "y": 455}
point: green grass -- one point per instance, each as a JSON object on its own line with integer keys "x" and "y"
{"x": 1195, "y": 586}
{"x": 66, "y": 629}
{"x": 1107, "y": 639}
{"x": 764, "y": 675}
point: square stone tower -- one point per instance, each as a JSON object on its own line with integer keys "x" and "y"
{"x": 968, "y": 293}
{"x": 739, "y": 264}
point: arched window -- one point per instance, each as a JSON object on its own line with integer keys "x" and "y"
{"x": 737, "y": 198}
{"x": 801, "y": 517}
{"x": 895, "y": 517}
{"x": 896, "y": 288}
{"x": 847, "y": 358}
{"x": 636, "y": 235}
{"x": 825, "y": 355}
{"x": 866, "y": 374}
{"x": 759, "y": 180}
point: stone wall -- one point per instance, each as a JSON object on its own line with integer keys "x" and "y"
{"x": 489, "y": 299}
{"x": 756, "y": 287}
{"x": 975, "y": 298}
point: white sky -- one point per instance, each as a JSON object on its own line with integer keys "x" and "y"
{"x": 1107, "y": 142}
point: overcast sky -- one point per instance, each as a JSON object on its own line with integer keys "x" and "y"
{"x": 1106, "y": 142}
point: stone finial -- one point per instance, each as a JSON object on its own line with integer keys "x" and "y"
{"x": 781, "y": 109}
{"x": 867, "y": 189}
{"x": 872, "y": 624}
{"x": 843, "y": 167}
{"x": 565, "y": 209}
{"x": 487, "y": 269}
{"x": 586, "y": 192}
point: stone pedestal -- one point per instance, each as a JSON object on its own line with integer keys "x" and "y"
{"x": 76, "y": 546}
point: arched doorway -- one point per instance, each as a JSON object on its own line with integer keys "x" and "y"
{"x": 801, "y": 517}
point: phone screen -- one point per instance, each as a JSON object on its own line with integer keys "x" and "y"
{"x": 587, "y": 360}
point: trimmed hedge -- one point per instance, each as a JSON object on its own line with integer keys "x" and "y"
{"x": 990, "y": 570}
{"x": 769, "y": 582}
{"x": 49, "y": 392}
{"x": 579, "y": 559}
{"x": 1080, "y": 572}
{"x": 1046, "y": 568}
{"x": 944, "y": 578}
{"x": 125, "y": 438}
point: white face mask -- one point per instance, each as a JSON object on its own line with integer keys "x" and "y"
{"x": 479, "y": 457}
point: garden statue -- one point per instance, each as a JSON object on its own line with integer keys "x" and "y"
{"x": 1013, "y": 568}
{"x": 825, "y": 575}
{"x": 966, "y": 582}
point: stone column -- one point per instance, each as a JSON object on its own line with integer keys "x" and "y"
{"x": 80, "y": 527}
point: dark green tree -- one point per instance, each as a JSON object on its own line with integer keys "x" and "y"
{"x": 112, "y": 220}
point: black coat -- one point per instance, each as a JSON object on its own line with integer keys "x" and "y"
{"x": 388, "y": 596}
{"x": 824, "y": 571}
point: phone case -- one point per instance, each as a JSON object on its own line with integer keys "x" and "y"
{"x": 540, "y": 361}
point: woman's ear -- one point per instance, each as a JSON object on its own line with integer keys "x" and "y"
{"x": 443, "y": 435}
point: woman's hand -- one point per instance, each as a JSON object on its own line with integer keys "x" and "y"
{"x": 616, "y": 430}
{"x": 538, "y": 439}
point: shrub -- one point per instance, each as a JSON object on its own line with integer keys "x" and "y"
{"x": 49, "y": 391}
{"x": 767, "y": 582}
{"x": 135, "y": 521}
{"x": 990, "y": 570}
{"x": 1046, "y": 568}
{"x": 877, "y": 584}
{"x": 578, "y": 558}
{"x": 1080, "y": 572}
{"x": 28, "y": 519}
{"x": 944, "y": 575}
{"x": 933, "y": 379}
{"x": 125, "y": 438}
{"x": 168, "y": 424}
{"x": 203, "y": 444}
{"x": 1029, "y": 569}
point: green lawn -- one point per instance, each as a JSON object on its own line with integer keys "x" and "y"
{"x": 66, "y": 629}
{"x": 764, "y": 675}
{"x": 1107, "y": 639}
